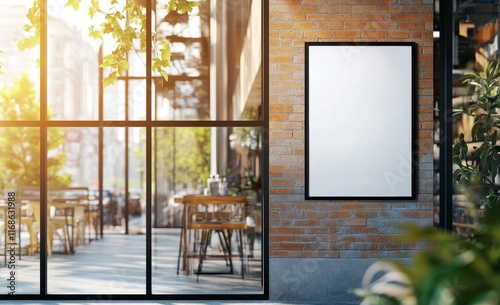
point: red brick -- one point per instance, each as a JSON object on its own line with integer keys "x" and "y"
{"x": 336, "y": 228}
{"x": 348, "y": 34}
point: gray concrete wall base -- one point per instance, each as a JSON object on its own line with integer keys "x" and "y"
{"x": 325, "y": 280}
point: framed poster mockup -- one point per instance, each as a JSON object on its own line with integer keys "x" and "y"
{"x": 360, "y": 135}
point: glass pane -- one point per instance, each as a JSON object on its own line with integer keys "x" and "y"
{"x": 114, "y": 101}
{"x": 19, "y": 75}
{"x": 71, "y": 213}
{"x": 124, "y": 212}
{"x": 127, "y": 267}
{"x": 19, "y": 203}
{"x": 114, "y": 180}
{"x": 137, "y": 62}
{"x": 80, "y": 261}
{"x": 185, "y": 159}
{"x": 215, "y": 69}
{"x": 123, "y": 94}
{"x": 136, "y": 100}
{"x": 475, "y": 43}
{"x": 73, "y": 74}
{"x": 136, "y": 181}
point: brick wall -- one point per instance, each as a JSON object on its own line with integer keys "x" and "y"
{"x": 339, "y": 229}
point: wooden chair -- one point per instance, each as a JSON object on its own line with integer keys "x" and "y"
{"x": 65, "y": 211}
{"x": 76, "y": 198}
{"x": 26, "y": 195}
{"x": 54, "y": 224}
{"x": 205, "y": 215}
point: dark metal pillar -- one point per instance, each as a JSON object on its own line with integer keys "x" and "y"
{"x": 445, "y": 114}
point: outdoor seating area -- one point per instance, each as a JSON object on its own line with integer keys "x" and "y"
{"x": 116, "y": 264}
{"x": 72, "y": 218}
{"x": 216, "y": 240}
{"x": 205, "y": 216}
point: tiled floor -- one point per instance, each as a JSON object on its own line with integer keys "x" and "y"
{"x": 116, "y": 265}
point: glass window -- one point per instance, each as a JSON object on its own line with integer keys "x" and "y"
{"x": 19, "y": 55}
{"x": 188, "y": 162}
{"x": 475, "y": 42}
{"x": 72, "y": 79}
{"x": 115, "y": 171}
{"x": 19, "y": 207}
{"x": 215, "y": 71}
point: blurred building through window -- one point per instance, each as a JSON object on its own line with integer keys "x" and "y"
{"x": 206, "y": 120}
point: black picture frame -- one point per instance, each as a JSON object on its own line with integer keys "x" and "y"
{"x": 360, "y": 133}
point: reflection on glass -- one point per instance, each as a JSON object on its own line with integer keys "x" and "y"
{"x": 227, "y": 88}
{"x": 16, "y": 66}
{"x": 136, "y": 100}
{"x": 19, "y": 99}
{"x": 475, "y": 43}
{"x": 114, "y": 101}
{"x": 136, "y": 207}
{"x": 72, "y": 82}
{"x": 19, "y": 203}
{"x": 125, "y": 94}
{"x": 80, "y": 261}
{"x": 70, "y": 223}
{"x": 114, "y": 179}
{"x": 214, "y": 74}
{"x": 124, "y": 211}
{"x": 187, "y": 162}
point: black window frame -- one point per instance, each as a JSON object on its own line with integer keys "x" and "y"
{"x": 43, "y": 124}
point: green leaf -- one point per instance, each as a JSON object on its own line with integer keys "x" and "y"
{"x": 93, "y": 8}
{"x": 110, "y": 79}
{"x": 164, "y": 74}
{"x": 108, "y": 61}
{"x": 73, "y": 3}
{"x": 124, "y": 64}
{"x": 373, "y": 298}
{"x": 183, "y": 6}
{"x": 96, "y": 34}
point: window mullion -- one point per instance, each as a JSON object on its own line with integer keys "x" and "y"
{"x": 149, "y": 47}
{"x": 43, "y": 146}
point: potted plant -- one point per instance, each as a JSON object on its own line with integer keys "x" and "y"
{"x": 455, "y": 270}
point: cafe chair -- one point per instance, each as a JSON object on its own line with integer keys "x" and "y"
{"x": 56, "y": 227}
{"x": 206, "y": 215}
{"x": 28, "y": 222}
{"x": 73, "y": 204}
{"x": 65, "y": 213}
{"x": 25, "y": 195}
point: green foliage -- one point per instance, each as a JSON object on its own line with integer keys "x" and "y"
{"x": 125, "y": 25}
{"x": 375, "y": 298}
{"x": 20, "y": 146}
{"x": 183, "y": 6}
{"x": 75, "y": 4}
{"x": 456, "y": 270}
{"x": 183, "y": 154}
{"x": 32, "y": 29}
{"x": 453, "y": 271}
{"x": 482, "y": 165}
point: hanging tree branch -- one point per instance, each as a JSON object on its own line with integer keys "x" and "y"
{"x": 125, "y": 25}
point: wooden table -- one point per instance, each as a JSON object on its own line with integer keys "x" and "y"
{"x": 206, "y": 214}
